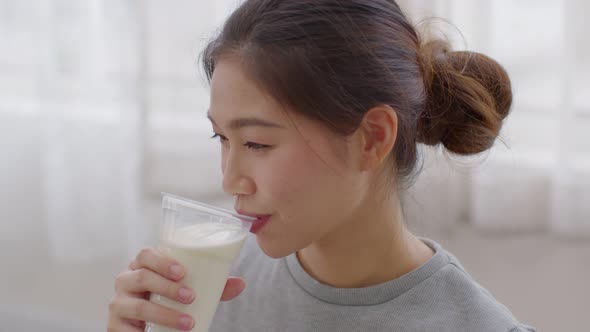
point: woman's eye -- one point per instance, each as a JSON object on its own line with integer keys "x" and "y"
{"x": 220, "y": 137}
{"x": 249, "y": 145}
{"x": 256, "y": 146}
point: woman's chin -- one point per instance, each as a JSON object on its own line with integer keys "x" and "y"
{"x": 273, "y": 248}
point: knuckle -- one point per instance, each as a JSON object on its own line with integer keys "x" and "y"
{"x": 139, "y": 309}
{"x": 141, "y": 277}
{"x": 171, "y": 289}
{"x": 113, "y": 305}
{"x": 144, "y": 254}
{"x": 119, "y": 280}
{"x": 131, "y": 265}
{"x": 111, "y": 326}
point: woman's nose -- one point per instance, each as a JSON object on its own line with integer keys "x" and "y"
{"x": 235, "y": 180}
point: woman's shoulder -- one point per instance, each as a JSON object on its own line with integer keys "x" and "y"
{"x": 459, "y": 292}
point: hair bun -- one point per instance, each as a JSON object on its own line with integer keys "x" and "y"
{"x": 468, "y": 96}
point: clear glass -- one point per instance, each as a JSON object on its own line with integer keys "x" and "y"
{"x": 206, "y": 240}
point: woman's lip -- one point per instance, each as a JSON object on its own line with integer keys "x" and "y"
{"x": 258, "y": 216}
{"x": 258, "y": 224}
{"x": 261, "y": 220}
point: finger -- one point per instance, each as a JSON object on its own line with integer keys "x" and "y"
{"x": 116, "y": 324}
{"x": 132, "y": 263}
{"x": 143, "y": 310}
{"x": 137, "y": 323}
{"x": 141, "y": 281}
{"x": 156, "y": 261}
{"x": 125, "y": 327}
{"x": 233, "y": 287}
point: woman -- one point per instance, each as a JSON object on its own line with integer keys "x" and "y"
{"x": 319, "y": 106}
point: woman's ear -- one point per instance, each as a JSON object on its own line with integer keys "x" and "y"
{"x": 378, "y": 132}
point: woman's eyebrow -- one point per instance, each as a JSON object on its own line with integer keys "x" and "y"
{"x": 247, "y": 122}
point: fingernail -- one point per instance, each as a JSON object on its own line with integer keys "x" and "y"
{"x": 185, "y": 323}
{"x": 176, "y": 270}
{"x": 185, "y": 294}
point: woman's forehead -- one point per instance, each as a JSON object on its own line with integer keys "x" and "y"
{"x": 234, "y": 94}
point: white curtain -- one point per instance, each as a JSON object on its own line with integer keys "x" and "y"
{"x": 102, "y": 105}
{"x": 71, "y": 127}
{"x": 537, "y": 177}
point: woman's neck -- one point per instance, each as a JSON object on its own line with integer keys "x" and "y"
{"x": 372, "y": 247}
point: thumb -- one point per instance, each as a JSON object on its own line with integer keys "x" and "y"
{"x": 233, "y": 287}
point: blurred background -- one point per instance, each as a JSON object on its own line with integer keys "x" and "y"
{"x": 102, "y": 107}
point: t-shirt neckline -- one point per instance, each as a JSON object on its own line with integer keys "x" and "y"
{"x": 371, "y": 295}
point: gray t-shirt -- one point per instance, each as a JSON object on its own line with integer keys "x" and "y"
{"x": 438, "y": 296}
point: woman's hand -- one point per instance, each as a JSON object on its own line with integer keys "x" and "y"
{"x": 153, "y": 272}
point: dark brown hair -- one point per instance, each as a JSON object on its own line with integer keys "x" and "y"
{"x": 333, "y": 60}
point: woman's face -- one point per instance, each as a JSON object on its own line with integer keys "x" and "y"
{"x": 280, "y": 164}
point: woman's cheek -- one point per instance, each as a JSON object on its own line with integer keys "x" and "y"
{"x": 289, "y": 176}
{"x": 277, "y": 185}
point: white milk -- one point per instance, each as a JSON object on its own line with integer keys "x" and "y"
{"x": 207, "y": 251}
